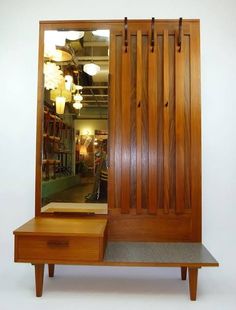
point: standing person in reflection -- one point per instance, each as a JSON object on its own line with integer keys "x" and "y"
{"x": 101, "y": 177}
{"x": 103, "y": 173}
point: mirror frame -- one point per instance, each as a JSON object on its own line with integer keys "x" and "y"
{"x": 85, "y": 25}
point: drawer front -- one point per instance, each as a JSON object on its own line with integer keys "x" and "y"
{"x": 68, "y": 249}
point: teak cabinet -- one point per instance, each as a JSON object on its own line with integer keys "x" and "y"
{"x": 154, "y": 183}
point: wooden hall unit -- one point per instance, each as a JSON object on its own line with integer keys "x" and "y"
{"x": 154, "y": 174}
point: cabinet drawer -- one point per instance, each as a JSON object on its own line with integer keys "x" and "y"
{"x": 61, "y": 249}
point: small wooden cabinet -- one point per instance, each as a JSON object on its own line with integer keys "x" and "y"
{"x": 61, "y": 241}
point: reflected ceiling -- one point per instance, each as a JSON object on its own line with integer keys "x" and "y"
{"x": 90, "y": 48}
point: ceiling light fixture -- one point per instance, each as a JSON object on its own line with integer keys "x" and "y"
{"x": 61, "y": 53}
{"x": 68, "y": 82}
{"x": 52, "y": 75}
{"x": 54, "y": 37}
{"x": 60, "y": 104}
{"x": 91, "y": 69}
{"x": 101, "y": 33}
{"x": 78, "y": 105}
{"x": 78, "y": 98}
{"x": 74, "y": 35}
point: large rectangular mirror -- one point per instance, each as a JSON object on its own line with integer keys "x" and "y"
{"x": 74, "y": 162}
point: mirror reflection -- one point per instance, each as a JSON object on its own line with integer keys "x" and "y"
{"x": 75, "y": 121}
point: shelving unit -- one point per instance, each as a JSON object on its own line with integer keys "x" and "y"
{"x": 57, "y": 147}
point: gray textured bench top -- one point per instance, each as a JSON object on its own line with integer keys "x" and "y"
{"x": 159, "y": 254}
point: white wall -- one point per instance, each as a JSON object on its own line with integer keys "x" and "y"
{"x": 18, "y": 82}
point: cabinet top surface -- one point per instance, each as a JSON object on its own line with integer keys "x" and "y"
{"x": 63, "y": 226}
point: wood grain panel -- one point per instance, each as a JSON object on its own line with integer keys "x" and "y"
{"x": 166, "y": 120}
{"x": 134, "y": 25}
{"x": 133, "y": 145}
{"x": 112, "y": 122}
{"x": 172, "y": 159}
{"x": 118, "y": 114}
{"x": 145, "y": 145}
{"x": 139, "y": 124}
{"x": 125, "y": 129}
{"x": 61, "y": 248}
{"x": 152, "y": 127}
{"x": 187, "y": 121}
{"x": 160, "y": 132}
{"x": 179, "y": 126}
{"x": 39, "y": 140}
{"x": 164, "y": 227}
{"x": 195, "y": 132}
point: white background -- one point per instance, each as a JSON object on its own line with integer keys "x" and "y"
{"x": 112, "y": 288}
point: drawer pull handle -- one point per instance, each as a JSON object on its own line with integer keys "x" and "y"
{"x": 58, "y": 244}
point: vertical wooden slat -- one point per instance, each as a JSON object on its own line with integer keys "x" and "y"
{"x": 187, "y": 113}
{"x": 195, "y": 132}
{"x": 152, "y": 127}
{"x": 139, "y": 124}
{"x": 172, "y": 121}
{"x": 133, "y": 108}
{"x": 118, "y": 122}
{"x": 166, "y": 121}
{"x": 125, "y": 129}
{"x": 179, "y": 125}
{"x": 112, "y": 123}
{"x": 145, "y": 148}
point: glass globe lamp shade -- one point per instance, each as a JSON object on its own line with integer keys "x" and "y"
{"x": 101, "y": 33}
{"x": 68, "y": 82}
{"x": 91, "y": 69}
{"x": 60, "y": 104}
{"x": 78, "y": 97}
{"x": 74, "y": 35}
{"x": 77, "y": 105}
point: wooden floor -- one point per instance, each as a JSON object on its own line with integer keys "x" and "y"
{"x": 73, "y": 194}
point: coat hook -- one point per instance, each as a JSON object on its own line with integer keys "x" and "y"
{"x": 180, "y": 33}
{"x": 152, "y": 34}
{"x": 126, "y": 34}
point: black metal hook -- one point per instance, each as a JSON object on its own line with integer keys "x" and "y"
{"x": 180, "y": 33}
{"x": 152, "y": 34}
{"x": 126, "y": 34}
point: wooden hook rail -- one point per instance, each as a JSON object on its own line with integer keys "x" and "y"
{"x": 126, "y": 34}
{"x": 180, "y": 33}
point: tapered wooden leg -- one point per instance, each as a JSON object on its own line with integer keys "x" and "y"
{"x": 39, "y": 273}
{"x": 183, "y": 273}
{"x": 51, "y": 268}
{"x": 193, "y": 273}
